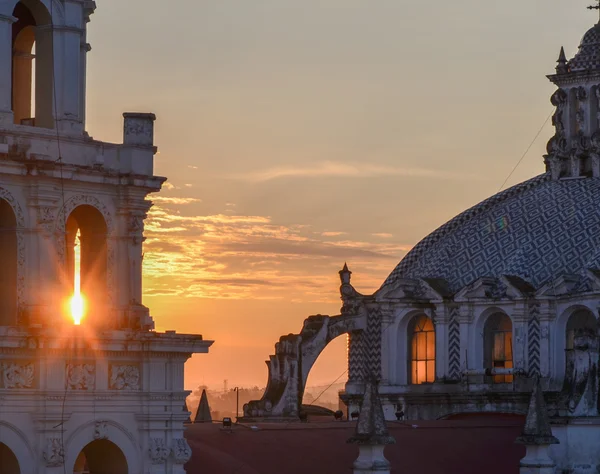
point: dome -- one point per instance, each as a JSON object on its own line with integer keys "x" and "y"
{"x": 536, "y": 230}
{"x": 588, "y": 56}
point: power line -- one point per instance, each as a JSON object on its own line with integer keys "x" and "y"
{"x": 526, "y": 151}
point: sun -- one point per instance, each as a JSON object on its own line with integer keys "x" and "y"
{"x": 77, "y": 303}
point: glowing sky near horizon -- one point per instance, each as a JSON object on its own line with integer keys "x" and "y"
{"x": 297, "y": 135}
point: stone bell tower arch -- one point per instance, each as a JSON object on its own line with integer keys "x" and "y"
{"x": 103, "y": 389}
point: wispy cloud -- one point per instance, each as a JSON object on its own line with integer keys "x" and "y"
{"x": 237, "y": 256}
{"x": 345, "y": 170}
{"x": 174, "y": 200}
{"x": 382, "y": 235}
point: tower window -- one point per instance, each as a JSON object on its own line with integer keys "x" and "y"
{"x": 422, "y": 347}
{"x": 86, "y": 259}
{"x": 32, "y": 64}
{"x": 8, "y": 268}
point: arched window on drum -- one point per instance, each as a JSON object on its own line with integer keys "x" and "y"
{"x": 581, "y": 323}
{"x": 498, "y": 345}
{"x": 422, "y": 350}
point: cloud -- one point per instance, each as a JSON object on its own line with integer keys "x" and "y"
{"x": 345, "y": 170}
{"x": 300, "y": 249}
{"x": 175, "y": 200}
{"x": 236, "y": 282}
{"x": 168, "y": 186}
{"x": 251, "y": 256}
{"x": 382, "y": 235}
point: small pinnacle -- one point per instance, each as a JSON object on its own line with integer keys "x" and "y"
{"x": 563, "y": 66}
{"x": 561, "y": 57}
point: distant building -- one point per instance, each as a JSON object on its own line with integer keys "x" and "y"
{"x": 505, "y": 292}
{"x": 85, "y": 382}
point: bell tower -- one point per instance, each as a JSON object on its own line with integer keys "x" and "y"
{"x": 86, "y": 383}
{"x": 43, "y": 49}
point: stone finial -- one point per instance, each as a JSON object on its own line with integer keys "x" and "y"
{"x": 138, "y": 129}
{"x": 203, "y": 414}
{"x": 562, "y": 67}
{"x": 371, "y": 434}
{"x": 371, "y": 428}
{"x": 345, "y": 275}
{"x": 537, "y": 430}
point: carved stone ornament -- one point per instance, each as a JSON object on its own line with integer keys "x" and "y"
{"x": 124, "y": 377}
{"x": 16, "y": 375}
{"x": 46, "y": 218}
{"x": 101, "y": 430}
{"x": 158, "y": 450}
{"x": 135, "y": 228}
{"x": 181, "y": 451}
{"x": 81, "y": 376}
{"x": 54, "y": 454}
{"x": 135, "y": 225}
{"x": 559, "y": 98}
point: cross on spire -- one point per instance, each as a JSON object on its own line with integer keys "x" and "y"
{"x": 595, "y": 7}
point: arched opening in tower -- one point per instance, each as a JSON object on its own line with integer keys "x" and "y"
{"x": 32, "y": 65}
{"x": 8, "y": 269}
{"x": 9, "y": 462}
{"x": 86, "y": 261}
{"x": 101, "y": 457}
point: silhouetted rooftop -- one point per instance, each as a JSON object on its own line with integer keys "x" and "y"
{"x": 469, "y": 445}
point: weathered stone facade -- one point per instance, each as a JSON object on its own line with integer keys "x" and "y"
{"x": 105, "y": 396}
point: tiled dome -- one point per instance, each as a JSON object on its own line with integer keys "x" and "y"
{"x": 588, "y": 56}
{"x": 538, "y": 230}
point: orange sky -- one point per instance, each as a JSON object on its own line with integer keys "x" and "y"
{"x": 297, "y": 135}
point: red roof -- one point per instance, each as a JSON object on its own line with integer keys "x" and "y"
{"x": 465, "y": 445}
